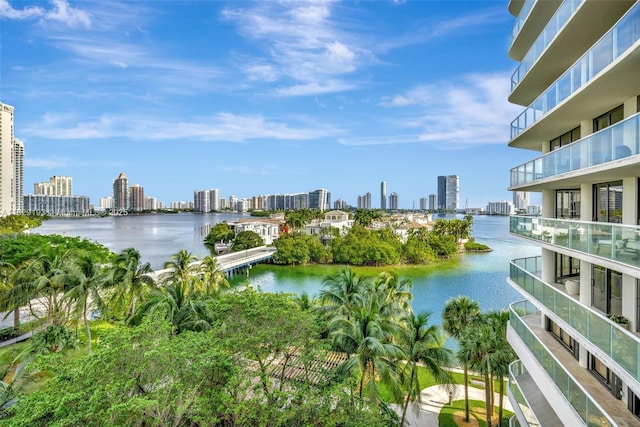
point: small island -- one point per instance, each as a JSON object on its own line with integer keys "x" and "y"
{"x": 362, "y": 238}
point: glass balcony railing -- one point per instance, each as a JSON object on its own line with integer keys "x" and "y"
{"x": 612, "y": 143}
{"x": 521, "y": 18}
{"x": 620, "y": 345}
{"x": 557, "y": 21}
{"x": 616, "y": 242}
{"x": 584, "y": 405}
{"x": 516, "y": 370}
{"x": 610, "y": 47}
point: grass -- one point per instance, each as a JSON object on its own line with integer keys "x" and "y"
{"x": 477, "y": 414}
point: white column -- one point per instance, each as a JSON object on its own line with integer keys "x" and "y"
{"x": 629, "y": 300}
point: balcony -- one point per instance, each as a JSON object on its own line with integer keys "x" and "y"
{"x": 616, "y": 43}
{"x": 520, "y": 386}
{"x": 528, "y": 24}
{"x": 620, "y": 345}
{"x": 614, "y": 242}
{"x": 613, "y": 143}
{"x": 562, "y": 15}
{"x": 523, "y": 318}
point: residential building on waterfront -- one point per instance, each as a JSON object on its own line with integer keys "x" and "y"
{"x": 383, "y": 195}
{"x": 448, "y": 197}
{"x": 105, "y": 203}
{"x": 201, "y": 202}
{"x": 424, "y": 203}
{"x": 432, "y": 202}
{"x": 17, "y": 186}
{"x": 577, "y": 329}
{"x": 364, "y": 201}
{"x": 521, "y": 200}
{"x": 41, "y": 204}
{"x": 334, "y": 219}
{"x": 121, "y": 193}
{"x": 500, "y": 208}
{"x": 11, "y": 164}
{"x": 136, "y": 198}
{"x": 267, "y": 228}
{"x": 394, "y": 201}
{"x": 57, "y": 186}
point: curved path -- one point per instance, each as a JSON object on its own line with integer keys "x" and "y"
{"x": 433, "y": 399}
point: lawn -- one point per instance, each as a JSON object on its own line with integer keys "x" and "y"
{"x": 453, "y": 415}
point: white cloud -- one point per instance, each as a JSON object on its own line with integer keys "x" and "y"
{"x": 222, "y": 127}
{"x": 456, "y": 113}
{"x": 303, "y": 45}
{"x": 49, "y": 163}
{"x": 60, "y": 12}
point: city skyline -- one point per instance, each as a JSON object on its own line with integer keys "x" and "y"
{"x": 250, "y": 96}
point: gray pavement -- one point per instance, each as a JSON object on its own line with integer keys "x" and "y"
{"x": 433, "y": 399}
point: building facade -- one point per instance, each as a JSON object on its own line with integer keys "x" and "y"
{"x": 521, "y": 200}
{"x": 500, "y": 208}
{"x": 11, "y": 164}
{"x": 136, "y": 198}
{"x": 433, "y": 202}
{"x": 40, "y": 204}
{"x": 453, "y": 193}
{"x": 364, "y": 201}
{"x": 394, "y": 201}
{"x": 383, "y": 195}
{"x": 121, "y": 193}
{"x": 577, "y": 329}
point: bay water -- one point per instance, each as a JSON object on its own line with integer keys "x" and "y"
{"x": 480, "y": 276}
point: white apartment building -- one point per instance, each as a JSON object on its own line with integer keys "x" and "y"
{"x": 500, "y": 208}
{"x": 577, "y": 329}
{"x": 11, "y": 164}
{"x": 17, "y": 186}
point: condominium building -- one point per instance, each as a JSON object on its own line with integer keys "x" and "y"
{"x": 424, "y": 203}
{"x": 448, "y": 193}
{"x": 500, "y": 208}
{"x": 432, "y": 202}
{"x": 136, "y": 198}
{"x": 577, "y": 329}
{"x": 383, "y": 195}
{"x": 521, "y": 200}
{"x": 57, "y": 186}
{"x": 121, "y": 192}
{"x": 394, "y": 201}
{"x": 11, "y": 164}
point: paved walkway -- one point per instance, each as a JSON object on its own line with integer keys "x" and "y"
{"x": 433, "y": 399}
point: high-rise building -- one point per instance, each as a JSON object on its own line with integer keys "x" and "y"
{"x": 442, "y": 193}
{"x": 383, "y": 195}
{"x": 432, "y": 202}
{"x": 364, "y": 201}
{"x": 319, "y": 199}
{"x": 57, "y": 186}
{"x": 424, "y": 203}
{"x": 577, "y": 329}
{"x": 7, "y": 198}
{"x": 136, "y": 198}
{"x": 105, "y": 202}
{"x": 393, "y": 201}
{"x": 121, "y": 193}
{"x": 201, "y": 202}
{"x": 453, "y": 193}
{"x": 18, "y": 176}
{"x": 521, "y": 200}
{"x": 448, "y": 193}
{"x": 214, "y": 200}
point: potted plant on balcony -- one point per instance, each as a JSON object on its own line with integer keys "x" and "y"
{"x": 619, "y": 319}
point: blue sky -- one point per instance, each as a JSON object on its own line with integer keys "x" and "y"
{"x": 263, "y": 97}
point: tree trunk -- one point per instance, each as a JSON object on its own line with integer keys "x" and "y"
{"x": 16, "y": 319}
{"x": 500, "y": 400}
{"x": 406, "y": 403}
{"x": 466, "y": 393}
{"x": 86, "y": 326}
{"x": 487, "y": 391}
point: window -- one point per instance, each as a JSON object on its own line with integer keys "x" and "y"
{"x": 608, "y": 202}
{"x": 561, "y": 335}
{"x": 606, "y": 376}
{"x": 566, "y": 267}
{"x": 565, "y": 139}
{"x": 607, "y": 119}
{"x": 568, "y": 204}
{"x": 606, "y": 290}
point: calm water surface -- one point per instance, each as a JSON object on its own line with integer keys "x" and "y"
{"x": 481, "y": 277}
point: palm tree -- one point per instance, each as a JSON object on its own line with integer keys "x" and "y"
{"x": 477, "y": 348}
{"x": 422, "y": 344}
{"x": 182, "y": 267}
{"x": 502, "y": 354}
{"x": 342, "y": 291}
{"x": 6, "y": 271}
{"x": 84, "y": 279}
{"x": 365, "y": 337}
{"x": 459, "y": 315}
{"x": 184, "y": 310}
{"x": 396, "y": 293}
{"x": 130, "y": 279}
{"x": 211, "y": 276}
{"x": 38, "y": 278}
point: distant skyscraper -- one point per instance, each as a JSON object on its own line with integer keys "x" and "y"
{"x": 201, "y": 202}
{"x": 521, "y": 199}
{"x": 424, "y": 203}
{"x": 442, "y": 193}
{"x": 319, "y": 199}
{"x": 18, "y": 176}
{"x": 383, "y": 195}
{"x": 453, "y": 192}
{"x": 432, "y": 202}
{"x": 136, "y": 198}
{"x": 63, "y": 185}
{"x": 6, "y": 167}
{"x": 121, "y": 192}
{"x": 105, "y": 202}
{"x": 364, "y": 201}
{"x": 214, "y": 200}
{"x": 393, "y": 201}
{"x": 340, "y": 204}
